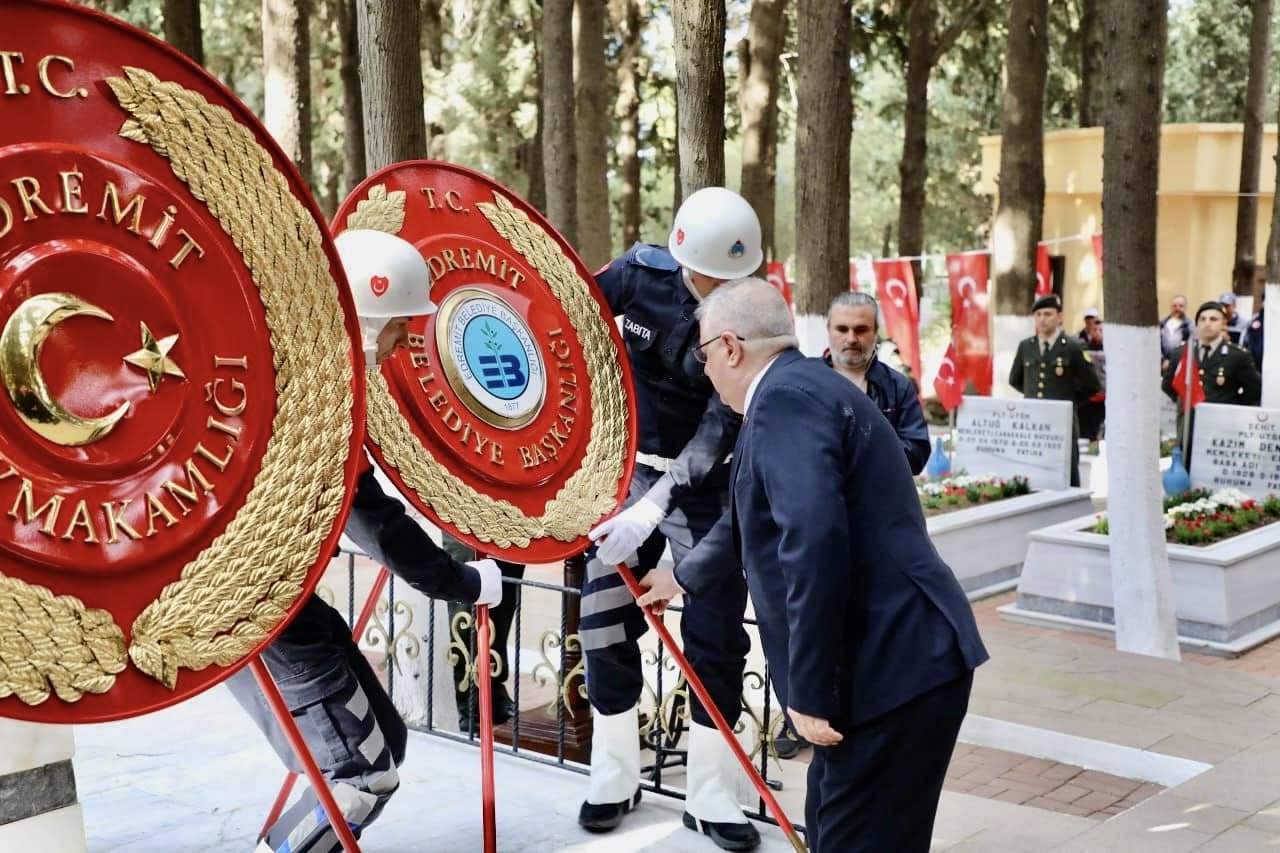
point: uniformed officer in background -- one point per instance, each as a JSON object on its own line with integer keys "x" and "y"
{"x": 346, "y": 717}
{"x": 678, "y": 491}
{"x": 1051, "y": 365}
{"x": 1227, "y": 371}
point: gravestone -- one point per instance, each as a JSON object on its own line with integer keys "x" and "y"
{"x": 1236, "y": 447}
{"x": 1008, "y": 438}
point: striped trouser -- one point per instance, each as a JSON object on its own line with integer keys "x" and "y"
{"x": 715, "y": 642}
{"x": 349, "y": 723}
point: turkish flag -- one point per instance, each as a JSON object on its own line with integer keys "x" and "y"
{"x": 1044, "y": 276}
{"x": 970, "y": 333}
{"x": 948, "y": 385}
{"x": 1190, "y": 390}
{"x": 896, "y": 290}
{"x": 778, "y": 278}
{"x": 853, "y": 276}
{"x": 1097, "y": 252}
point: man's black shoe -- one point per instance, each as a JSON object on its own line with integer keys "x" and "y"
{"x": 727, "y": 836}
{"x": 469, "y": 712}
{"x": 605, "y": 817}
{"x": 788, "y": 743}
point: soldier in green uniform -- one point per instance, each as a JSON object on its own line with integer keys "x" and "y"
{"x": 1226, "y": 370}
{"x": 1051, "y": 365}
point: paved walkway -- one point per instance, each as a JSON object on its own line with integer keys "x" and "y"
{"x": 1101, "y": 731}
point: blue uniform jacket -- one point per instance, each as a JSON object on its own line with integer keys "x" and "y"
{"x": 680, "y": 416}
{"x": 1253, "y": 337}
{"x": 858, "y": 614}
{"x": 896, "y": 398}
{"x": 380, "y": 526}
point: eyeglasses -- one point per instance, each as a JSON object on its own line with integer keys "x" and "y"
{"x": 700, "y": 353}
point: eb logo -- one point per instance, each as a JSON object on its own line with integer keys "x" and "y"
{"x": 502, "y": 371}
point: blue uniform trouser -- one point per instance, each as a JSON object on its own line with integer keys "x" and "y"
{"x": 715, "y": 641}
{"x": 346, "y": 717}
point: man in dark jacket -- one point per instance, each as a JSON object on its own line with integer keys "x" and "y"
{"x": 1175, "y": 329}
{"x": 853, "y": 324}
{"x": 870, "y": 641}
{"x": 1253, "y": 340}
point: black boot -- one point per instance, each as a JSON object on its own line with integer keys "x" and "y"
{"x": 605, "y": 817}
{"x": 727, "y": 836}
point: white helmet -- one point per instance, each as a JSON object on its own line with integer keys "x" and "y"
{"x": 716, "y": 233}
{"x": 388, "y": 278}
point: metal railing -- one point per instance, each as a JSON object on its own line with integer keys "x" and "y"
{"x": 665, "y": 697}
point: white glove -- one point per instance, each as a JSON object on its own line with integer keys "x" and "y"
{"x": 618, "y": 538}
{"x": 490, "y": 582}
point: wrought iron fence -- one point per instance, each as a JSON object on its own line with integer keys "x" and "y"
{"x": 543, "y": 731}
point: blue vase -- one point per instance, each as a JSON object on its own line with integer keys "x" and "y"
{"x": 939, "y": 466}
{"x": 1176, "y": 479}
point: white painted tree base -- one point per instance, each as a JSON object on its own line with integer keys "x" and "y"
{"x": 1142, "y": 585}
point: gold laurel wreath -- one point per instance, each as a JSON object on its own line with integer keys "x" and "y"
{"x": 54, "y": 644}
{"x": 230, "y": 597}
{"x": 237, "y": 590}
{"x": 591, "y": 491}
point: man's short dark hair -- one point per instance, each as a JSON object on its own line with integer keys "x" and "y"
{"x": 854, "y": 299}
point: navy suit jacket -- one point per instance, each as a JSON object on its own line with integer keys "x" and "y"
{"x": 858, "y": 614}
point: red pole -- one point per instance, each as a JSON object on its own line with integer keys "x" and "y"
{"x": 366, "y": 613}
{"x": 695, "y": 684}
{"x": 314, "y": 776}
{"x": 484, "y": 679}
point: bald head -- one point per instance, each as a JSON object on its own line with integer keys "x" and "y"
{"x": 744, "y": 323}
{"x": 753, "y": 309}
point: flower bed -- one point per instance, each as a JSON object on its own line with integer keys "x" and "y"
{"x": 1199, "y": 518}
{"x": 964, "y": 490}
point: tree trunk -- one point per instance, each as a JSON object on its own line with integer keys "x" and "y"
{"x": 353, "y": 168}
{"x": 1091, "y": 96}
{"x": 1021, "y": 205}
{"x": 286, "y": 70}
{"x": 699, "y": 31}
{"x": 1271, "y": 354}
{"x": 182, "y": 27}
{"x": 824, "y": 123}
{"x": 559, "y": 146}
{"x": 433, "y": 33}
{"x": 758, "y": 102}
{"x": 391, "y": 78}
{"x": 626, "y": 20}
{"x": 913, "y": 168}
{"x": 1142, "y": 586}
{"x": 592, "y": 134}
{"x": 677, "y": 188}
{"x": 1251, "y": 150}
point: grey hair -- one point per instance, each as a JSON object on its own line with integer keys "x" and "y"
{"x": 853, "y": 299}
{"x": 752, "y": 308}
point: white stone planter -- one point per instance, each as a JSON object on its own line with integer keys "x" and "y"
{"x": 1226, "y": 595}
{"x": 985, "y": 544}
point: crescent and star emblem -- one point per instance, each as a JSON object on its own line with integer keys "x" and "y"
{"x": 950, "y": 375}
{"x": 21, "y": 341}
{"x": 973, "y": 287}
{"x": 901, "y": 286}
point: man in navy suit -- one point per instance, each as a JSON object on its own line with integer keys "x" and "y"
{"x": 870, "y": 640}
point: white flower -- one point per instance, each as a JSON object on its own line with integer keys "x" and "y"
{"x": 1233, "y": 498}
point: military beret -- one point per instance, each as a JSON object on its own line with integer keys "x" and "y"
{"x": 1211, "y": 305}
{"x": 1048, "y": 301}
